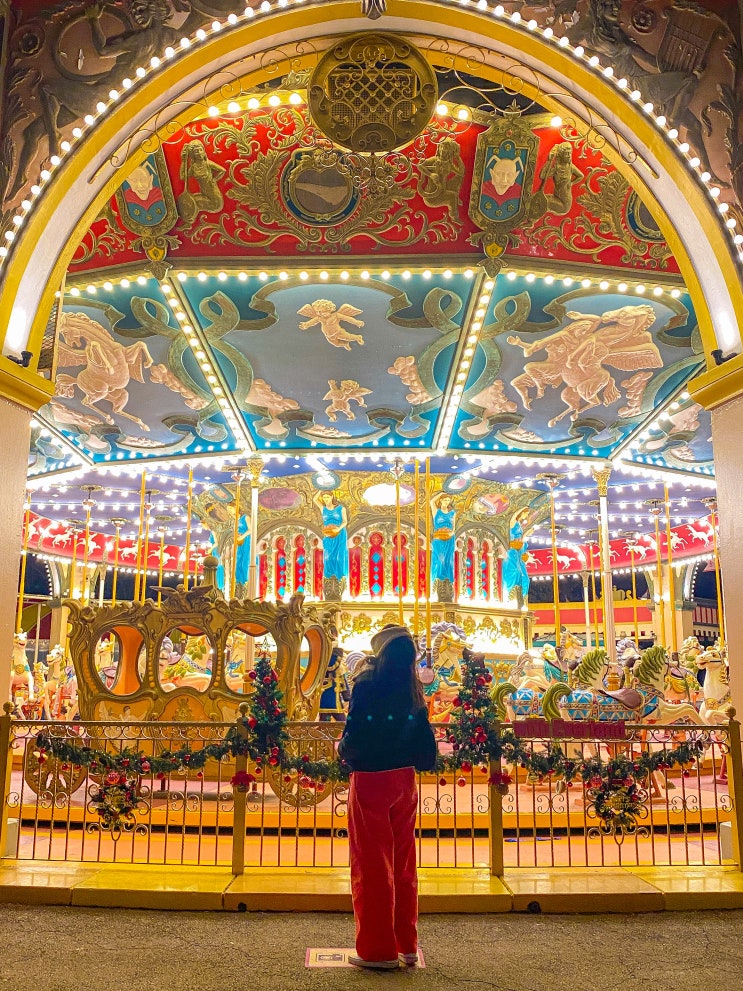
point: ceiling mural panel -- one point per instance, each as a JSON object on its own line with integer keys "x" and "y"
{"x": 260, "y": 181}
{"x": 127, "y": 382}
{"x": 680, "y": 437}
{"x": 370, "y": 357}
{"x": 574, "y": 371}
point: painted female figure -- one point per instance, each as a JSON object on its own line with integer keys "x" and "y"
{"x": 334, "y": 536}
{"x": 514, "y": 566}
{"x": 242, "y": 566}
{"x": 442, "y": 540}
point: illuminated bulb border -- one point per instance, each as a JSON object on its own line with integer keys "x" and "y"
{"x": 267, "y": 8}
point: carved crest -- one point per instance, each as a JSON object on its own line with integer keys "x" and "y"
{"x": 503, "y": 181}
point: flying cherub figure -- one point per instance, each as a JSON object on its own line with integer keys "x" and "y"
{"x": 341, "y": 397}
{"x": 324, "y": 313}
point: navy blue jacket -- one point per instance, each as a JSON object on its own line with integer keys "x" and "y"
{"x": 381, "y": 733}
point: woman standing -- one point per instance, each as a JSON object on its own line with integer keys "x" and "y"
{"x": 387, "y": 738}
{"x": 514, "y": 567}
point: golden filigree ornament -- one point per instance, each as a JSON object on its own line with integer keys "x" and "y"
{"x": 370, "y": 94}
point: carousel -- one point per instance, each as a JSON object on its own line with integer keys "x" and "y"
{"x": 307, "y": 386}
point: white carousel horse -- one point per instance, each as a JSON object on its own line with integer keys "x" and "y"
{"x": 21, "y": 680}
{"x": 716, "y": 688}
{"x": 530, "y": 677}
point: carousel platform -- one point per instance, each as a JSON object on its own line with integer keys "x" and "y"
{"x": 557, "y": 890}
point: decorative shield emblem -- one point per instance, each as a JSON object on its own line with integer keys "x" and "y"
{"x": 503, "y": 182}
{"x": 145, "y": 198}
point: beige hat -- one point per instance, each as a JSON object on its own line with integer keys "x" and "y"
{"x": 380, "y": 640}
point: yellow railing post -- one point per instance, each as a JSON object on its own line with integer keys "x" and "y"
{"x": 240, "y": 799}
{"x": 495, "y": 806}
{"x": 6, "y": 766}
{"x": 735, "y": 784}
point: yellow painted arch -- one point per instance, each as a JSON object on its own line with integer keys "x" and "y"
{"x": 73, "y": 197}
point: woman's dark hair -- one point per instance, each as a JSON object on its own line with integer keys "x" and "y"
{"x": 395, "y": 668}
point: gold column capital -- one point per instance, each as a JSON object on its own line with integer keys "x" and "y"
{"x": 255, "y": 467}
{"x": 601, "y": 477}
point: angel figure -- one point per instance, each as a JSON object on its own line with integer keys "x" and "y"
{"x": 324, "y": 313}
{"x": 108, "y": 366}
{"x": 341, "y": 397}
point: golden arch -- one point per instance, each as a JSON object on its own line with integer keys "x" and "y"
{"x": 175, "y": 94}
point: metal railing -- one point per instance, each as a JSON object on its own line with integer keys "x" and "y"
{"x": 62, "y": 811}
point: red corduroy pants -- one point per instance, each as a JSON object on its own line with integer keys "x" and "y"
{"x": 384, "y": 880}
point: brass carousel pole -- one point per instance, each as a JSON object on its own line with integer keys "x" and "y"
{"x": 118, "y": 522}
{"x": 75, "y": 527}
{"x": 161, "y": 527}
{"x": 146, "y": 552}
{"x": 397, "y": 470}
{"x": 189, "y": 505}
{"x": 416, "y": 525}
{"x": 553, "y": 479}
{"x": 671, "y": 576}
{"x": 254, "y": 467}
{"x": 589, "y": 538}
{"x": 26, "y": 522}
{"x": 139, "y": 535}
{"x": 601, "y": 477}
{"x": 88, "y": 502}
{"x": 711, "y": 503}
{"x": 631, "y": 538}
{"x": 654, "y": 508}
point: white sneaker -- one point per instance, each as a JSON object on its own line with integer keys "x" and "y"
{"x": 373, "y": 964}
{"x": 408, "y": 959}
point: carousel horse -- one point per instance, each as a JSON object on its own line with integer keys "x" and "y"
{"x": 530, "y": 677}
{"x": 681, "y": 682}
{"x": 640, "y": 703}
{"x": 628, "y": 653}
{"x": 443, "y": 676}
{"x": 21, "y": 680}
{"x": 570, "y": 651}
{"x": 716, "y": 689}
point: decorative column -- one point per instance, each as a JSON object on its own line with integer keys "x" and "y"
{"x": 591, "y": 537}
{"x": 162, "y": 528}
{"x": 601, "y": 476}
{"x": 586, "y": 608}
{"x": 397, "y": 471}
{"x": 726, "y": 437}
{"x": 14, "y": 435}
{"x": 254, "y": 469}
{"x": 24, "y": 557}
{"x": 88, "y": 503}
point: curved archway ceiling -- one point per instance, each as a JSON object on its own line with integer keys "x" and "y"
{"x": 235, "y": 295}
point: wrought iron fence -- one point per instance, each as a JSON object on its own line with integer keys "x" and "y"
{"x": 60, "y": 810}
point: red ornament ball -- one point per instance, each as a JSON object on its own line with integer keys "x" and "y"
{"x": 461, "y": 782}
{"x": 252, "y": 675}
{"x": 442, "y": 781}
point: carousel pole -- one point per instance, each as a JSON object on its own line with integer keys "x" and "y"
{"x": 189, "y": 505}
{"x": 671, "y": 576}
{"x": 416, "y": 525}
{"x": 88, "y": 502}
{"x": 586, "y": 607}
{"x": 117, "y": 522}
{"x": 631, "y": 539}
{"x": 589, "y": 537}
{"x": 142, "y": 496}
{"x": 654, "y": 508}
{"x": 428, "y": 558}
{"x": 711, "y": 503}
{"x": 161, "y": 527}
{"x": 553, "y": 479}
{"x": 146, "y": 550}
{"x": 75, "y": 528}
{"x": 22, "y": 588}
{"x": 601, "y": 477}
{"x": 397, "y": 470}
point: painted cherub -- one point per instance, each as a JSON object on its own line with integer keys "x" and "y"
{"x": 325, "y": 313}
{"x": 341, "y": 397}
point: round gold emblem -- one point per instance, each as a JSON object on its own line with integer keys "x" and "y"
{"x": 372, "y": 93}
